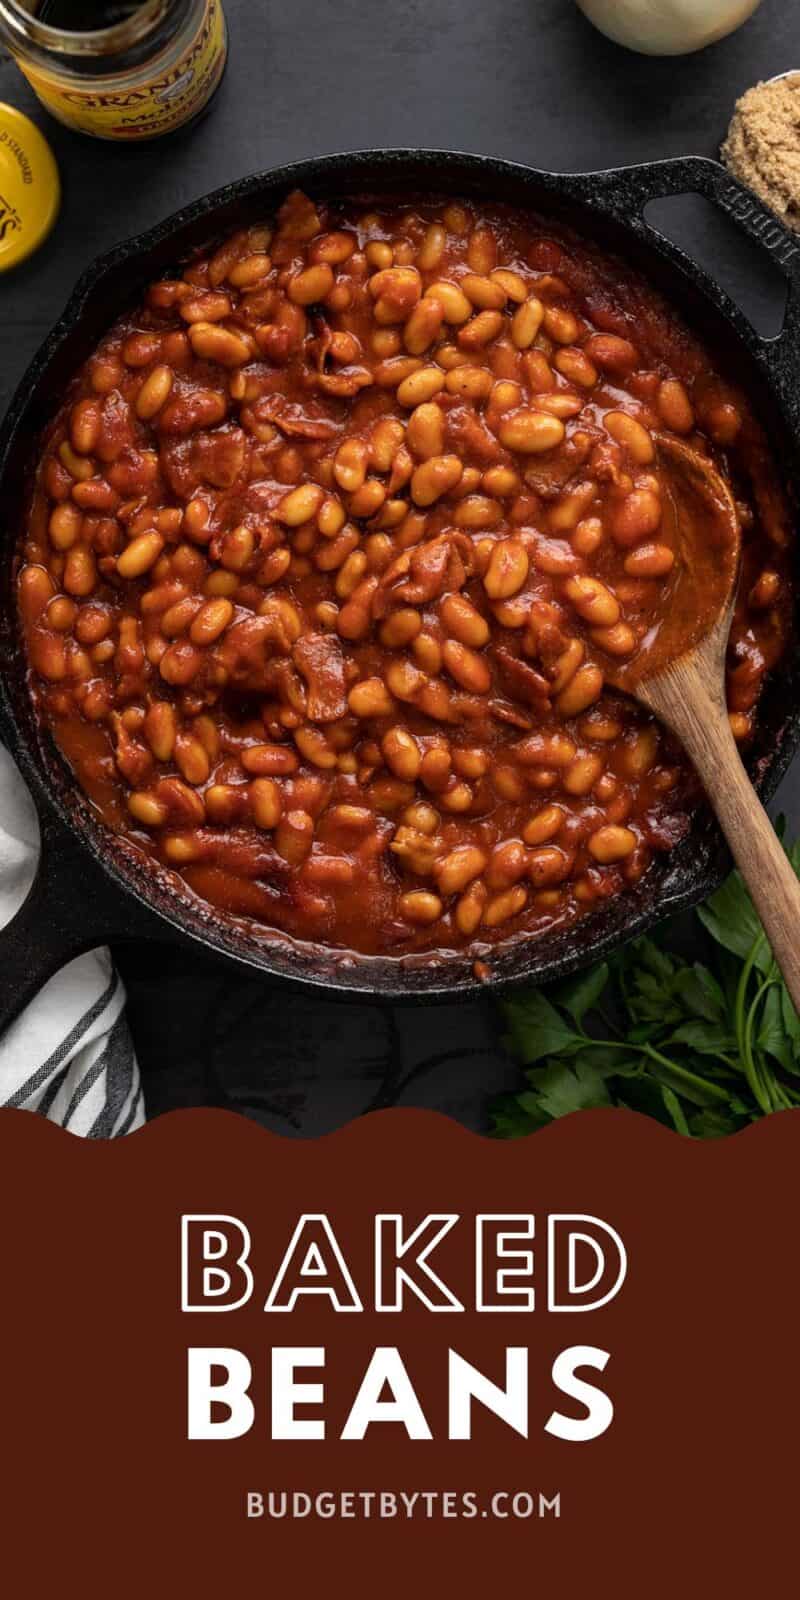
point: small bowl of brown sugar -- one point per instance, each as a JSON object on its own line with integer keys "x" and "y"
{"x": 762, "y": 146}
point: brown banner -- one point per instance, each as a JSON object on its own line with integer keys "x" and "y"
{"x": 660, "y": 1447}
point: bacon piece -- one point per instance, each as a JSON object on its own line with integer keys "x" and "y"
{"x": 438, "y": 567}
{"x": 320, "y": 660}
{"x": 247, "y": 653}
{"x": 520, "y": 680}
{"x": 503, "y": 712}
{"x": 293, "y": 419}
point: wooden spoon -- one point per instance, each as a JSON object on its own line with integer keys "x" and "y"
{"x": 679, "y": 673}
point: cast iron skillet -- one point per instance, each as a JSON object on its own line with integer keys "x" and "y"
{"x": 89, "y": 888}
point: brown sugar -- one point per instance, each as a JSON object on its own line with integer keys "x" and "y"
{"x": 763, "y": 144}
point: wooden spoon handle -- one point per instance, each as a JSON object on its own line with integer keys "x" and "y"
{"x": 699, "y": 718}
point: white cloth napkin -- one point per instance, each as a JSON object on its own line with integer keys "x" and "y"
{"x": 69, "y": 1055}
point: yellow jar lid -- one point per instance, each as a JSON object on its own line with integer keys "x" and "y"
{"x": 30, "y": 188}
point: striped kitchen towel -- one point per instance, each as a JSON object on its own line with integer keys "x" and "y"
{"x": 69, "y": 1056}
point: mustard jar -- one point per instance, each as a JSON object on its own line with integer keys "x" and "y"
{"x": 119, "y": 69}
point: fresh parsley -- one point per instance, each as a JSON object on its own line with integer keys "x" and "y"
{"x": 705, "y": 1048}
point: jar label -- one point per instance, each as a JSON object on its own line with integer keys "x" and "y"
{"x": 170, "y": 99}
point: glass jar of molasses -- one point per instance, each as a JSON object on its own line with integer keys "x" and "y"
{"x": 119, "y": 69}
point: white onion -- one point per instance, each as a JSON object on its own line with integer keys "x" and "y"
{"x": 667, "y": 27}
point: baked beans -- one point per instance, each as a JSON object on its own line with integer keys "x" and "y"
{"x": 334, "y": 546}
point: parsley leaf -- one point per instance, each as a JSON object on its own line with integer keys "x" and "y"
{"x": 535, "y": 1029}
{"x": 705, "y": 1047}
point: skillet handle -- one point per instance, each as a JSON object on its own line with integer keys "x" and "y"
{"x": 71, "y": 907}
{"x": 628, "y": 190}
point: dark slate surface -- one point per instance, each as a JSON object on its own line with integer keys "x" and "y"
{"x": 527, "y": 79}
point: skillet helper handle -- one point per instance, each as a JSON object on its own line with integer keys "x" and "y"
{"x": 70, "y": 908}
{"x": 782, "y": 354}
{"x": 627, "y": 192}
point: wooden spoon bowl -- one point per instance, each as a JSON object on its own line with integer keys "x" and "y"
{"x": 679, "y": 674}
